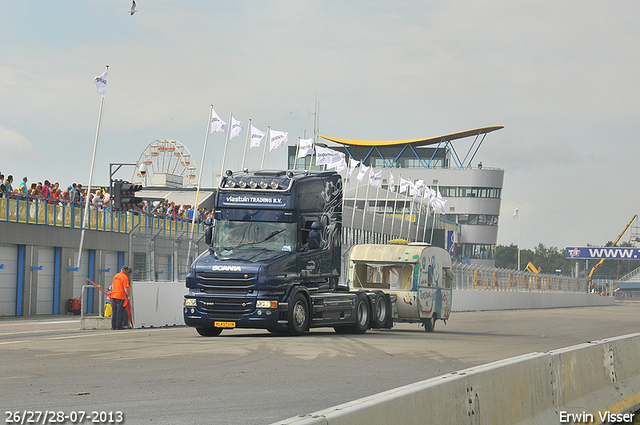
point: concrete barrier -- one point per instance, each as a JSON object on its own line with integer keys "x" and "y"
{"x": 594, "y": 382}
{"x": 476, "y": 300}
{"x": 95, "y": 322}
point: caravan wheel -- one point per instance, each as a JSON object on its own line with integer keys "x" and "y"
{"x": 430, "y": 324}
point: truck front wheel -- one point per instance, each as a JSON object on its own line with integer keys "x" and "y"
{"x": 209, "y": 331}
{"x": 298, "y": 315}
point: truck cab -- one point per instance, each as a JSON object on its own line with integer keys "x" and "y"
{"x": 273, "y": 260}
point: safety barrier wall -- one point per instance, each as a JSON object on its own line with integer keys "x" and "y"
{"x": 475, "y": 300}
{"x": 594, "y": 382}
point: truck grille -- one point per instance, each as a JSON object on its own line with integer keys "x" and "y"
{"x": 226, "y": 308}
{"x": 243, "y": 281}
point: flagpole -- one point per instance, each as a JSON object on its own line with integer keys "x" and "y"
{"x": 366, "y": 200}
{"x": 413, "y": 200}
{"x": 418, "y": 219}
{"x": 404, "y": 206}
{"x": 395, "y": 204}
{"x": 93, "y": 161}
{"x": 295, "y": 161}
{"x": 433, "y": 225}
{"x": 195, "y": 206}
{"x": 246, "y": 142}
{"x": 518, "y": 238}
{"x": 375, "y": 207}
{"x": 355, "y": 198}
{"x": 226, "y": 143}
{"x": 426, "y": 219}
{"x": 264, "y": 152}
{"x": 313, "y": 153}
{"x": 384, "y": 215}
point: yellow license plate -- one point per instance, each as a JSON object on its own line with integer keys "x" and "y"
{"x": 224, "y": 324}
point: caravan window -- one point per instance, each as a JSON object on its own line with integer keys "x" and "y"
{"x": 383, "y": 276}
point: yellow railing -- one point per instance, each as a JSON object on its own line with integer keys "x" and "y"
{"x": 28, "y": 210}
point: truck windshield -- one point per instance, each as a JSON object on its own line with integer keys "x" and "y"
{"x": 229, "y": 235}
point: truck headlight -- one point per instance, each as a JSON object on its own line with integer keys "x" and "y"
{"x": 266, "y": 304}
{"x": 190, "y": 302}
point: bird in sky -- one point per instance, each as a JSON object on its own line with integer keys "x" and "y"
{"x": 133, "y": 8}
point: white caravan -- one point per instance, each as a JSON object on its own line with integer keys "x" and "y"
{"x": 417, "y": 278}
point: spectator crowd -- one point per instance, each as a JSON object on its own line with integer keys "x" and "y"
{"x": 99, "y": 198}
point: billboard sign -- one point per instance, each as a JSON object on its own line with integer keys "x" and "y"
{"x": 596, "y": 253}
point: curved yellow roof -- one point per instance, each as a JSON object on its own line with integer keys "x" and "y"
{"x": 416, "y": 142}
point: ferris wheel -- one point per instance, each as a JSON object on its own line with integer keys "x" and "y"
{"x": 165, "y": 163}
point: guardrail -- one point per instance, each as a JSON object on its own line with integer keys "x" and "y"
{"x": 596, "y": 382}
{"x": 29, "y": 210}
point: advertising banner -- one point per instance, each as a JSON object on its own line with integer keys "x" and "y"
{"x": 590, "y": 252}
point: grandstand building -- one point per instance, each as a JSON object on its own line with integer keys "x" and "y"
{"x": 472, "y": 192}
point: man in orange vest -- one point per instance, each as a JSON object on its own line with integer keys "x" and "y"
{"x": 119, "y": 293}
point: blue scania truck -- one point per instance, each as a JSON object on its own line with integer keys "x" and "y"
{"x": 273, "y": 260}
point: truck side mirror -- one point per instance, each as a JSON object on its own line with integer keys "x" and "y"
{"x": 208, "y": 235}
{"x": 315, "y": 239}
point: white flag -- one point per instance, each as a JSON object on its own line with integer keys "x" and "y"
{"x": 404, "y": 184}
{"x": 417, "y": 187}
{"x": 328, "y": 157}
{"x": 338, "y": 163}
{"x": 101, "y": 82}
{"x": 236, "y": 128}
{"x": 392, "y": 183}
{"x": 341, "y": 166}
{"x": 217, "y": 124}
{"x": 305, "y": 148}
{"x": 352, "y": 165}
{"x": 516, "y": 212}
{"x": 256, "y": 136}
{"x": 362, "y": 172}
{"x": 429, "y": 193}
{"x": 440, "y": 203}
{"x": 278, "y": 138}
{"x": 375, "y": 179}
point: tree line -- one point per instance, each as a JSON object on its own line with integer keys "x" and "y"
{"x": 551, "y": 259}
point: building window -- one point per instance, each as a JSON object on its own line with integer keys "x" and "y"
{"x": 139, "y": 266}
{"x": 473, "y": 219}
{"x": 470, "y": 192}
{"x": 478, "y": 251}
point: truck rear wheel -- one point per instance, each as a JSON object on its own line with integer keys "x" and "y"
{"x": 298, "y": 315}
{"x": 381, "y": 310}
{"x": 209, "y": 331}
{"x": 362, "y": 314}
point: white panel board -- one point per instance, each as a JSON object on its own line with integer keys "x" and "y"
{"x": 8, "y": 279}
{"x": 157, "y": 304}
{"x": 46, "y": 259}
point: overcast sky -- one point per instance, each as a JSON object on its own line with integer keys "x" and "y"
{"x": 561, "y": 77}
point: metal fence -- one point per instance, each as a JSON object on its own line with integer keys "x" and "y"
{"x": 471, "y": 276}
